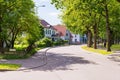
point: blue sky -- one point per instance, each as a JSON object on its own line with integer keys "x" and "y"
{"x": 48, "y": 13}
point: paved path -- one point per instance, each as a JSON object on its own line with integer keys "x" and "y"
{"x": 66, "y": 63}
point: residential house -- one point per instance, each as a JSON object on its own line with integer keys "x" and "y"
{"x": 48, "y": 29}
{"x": 63, "y": 33}
{"x": 79, "y": 39}
{"x": 76, "y": 39}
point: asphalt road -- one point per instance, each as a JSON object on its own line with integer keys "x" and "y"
{"x": 65, "y": 63}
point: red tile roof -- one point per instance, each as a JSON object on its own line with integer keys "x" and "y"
{"x": 61, "y": 29}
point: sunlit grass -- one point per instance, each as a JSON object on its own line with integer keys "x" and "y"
{"x": 104, "y": 52}
{"x": 6, "y": 66}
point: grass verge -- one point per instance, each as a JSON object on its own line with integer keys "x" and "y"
{"x": 115, "y": 47}
{"x": 6, "y": 66}
{"x": 104, "y": 52}
{"x": 19, "y": 55}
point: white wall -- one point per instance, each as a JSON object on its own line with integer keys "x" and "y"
{"x": 67, "y": 36}
{"x": 75, "y": 38}
{"x": 48, "y": 32}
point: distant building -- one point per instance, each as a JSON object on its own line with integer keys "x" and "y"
{"x": 79, "y": 39}
{"x": 57, "y": 32}
{"x": 76, "y": 39}
{"x": 48, "y": 29}
{"x": 63, "y": 33}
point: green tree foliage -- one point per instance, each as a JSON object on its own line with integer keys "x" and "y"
{"x": 100, "y": 17}
{"x": 18, "y": 17}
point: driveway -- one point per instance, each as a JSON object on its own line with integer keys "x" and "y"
{"x": 65, "y": 63}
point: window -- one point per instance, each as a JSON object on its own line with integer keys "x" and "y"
{"x": 75, "y": 40}
{"x": 50, "y": 31}
{"x": 46, "y": 31}
{"x": 66, "y": 34}
{"x": 53, "y": 32}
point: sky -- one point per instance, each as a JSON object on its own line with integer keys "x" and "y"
{"x": 48, "y": 13}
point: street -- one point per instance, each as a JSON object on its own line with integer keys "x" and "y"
{"x": 65, "y": 63}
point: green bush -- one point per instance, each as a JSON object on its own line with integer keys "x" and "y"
{"x": 65, "y": 41}
{"x": 39, "y": 44}
{"x": 20, "y": 47}
{"x": 45, "y": 42}
{"x": 60, "y": 42}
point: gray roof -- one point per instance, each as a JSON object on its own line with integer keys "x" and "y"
{"x": 45, "y": 24}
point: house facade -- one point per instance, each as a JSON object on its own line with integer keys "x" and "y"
{"x": 48, "y": 29}
{"x": 76, "y": 39}
{"x": 57, "y": 32}
{"x": 63, "y": 33}
{"x": 79, "y": 39}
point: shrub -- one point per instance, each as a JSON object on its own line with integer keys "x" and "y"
{"x": 20, "y": 47}
{"x": 45, "y": 42}
{"x": 65, "y": 41}
{"x": 60, "y": 42}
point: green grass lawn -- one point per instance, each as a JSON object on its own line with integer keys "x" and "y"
{"x": 115, "y": 47}
{"x": 6, "y": 66}
{"x": 104, "y": 52}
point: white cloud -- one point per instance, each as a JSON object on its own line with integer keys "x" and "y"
{"x": 54, "y": 13}
{"x": 45, "y": 0}
{"x": 41, "y": 1}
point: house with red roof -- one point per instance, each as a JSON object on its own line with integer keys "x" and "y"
{"x": 63, "y": 33}
{"x": 57, "y": 32}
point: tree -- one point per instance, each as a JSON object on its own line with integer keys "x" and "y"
{"x": 16, "y": 17}
{"x": 82, "y": 16}
{"x": 107, "y": 10}
{"x": 87, "y": 15}
{"x": 118, "y": 0}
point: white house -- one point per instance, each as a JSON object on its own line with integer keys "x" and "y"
{"x": 76, "y": 39}
{"x": 60, "y": 32}
{"x": 79, "y": 39}
{"x": 48, "y": 29}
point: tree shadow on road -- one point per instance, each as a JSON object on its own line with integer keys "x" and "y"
{"x": 55, "y": 61}
{"x": 60, "y": 61}
{"x": 115, "y": 57}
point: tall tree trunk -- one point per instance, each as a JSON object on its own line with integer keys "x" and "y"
{"x": 12, "y": 43}
{"x": 1, "y": 41}
{"x": 89, "y": 43}
{"x": 0, "y": 33}
{"x": 95, "y": 35}
{"x": 118, "y": 1}
{"x": 13, "y": 40}
{"x": 108, "y": 29}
